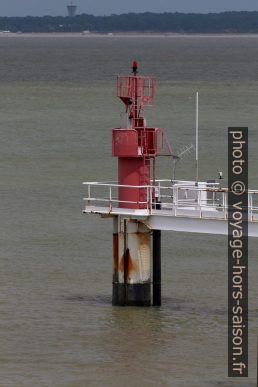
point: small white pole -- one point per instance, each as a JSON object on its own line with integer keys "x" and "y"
{"x": 197, "y": 136}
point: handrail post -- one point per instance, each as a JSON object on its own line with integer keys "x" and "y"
{"x": 226, "y": 205}
{"x": 110, "y": 198}
{"x": 251, "y": 206}
{"x": 150, "y": 196}
{"x": 148, "y": 199}
{"x": 89, "y": 193}
{"x": 176, "y": 198}
{"x": 248, "y": 207}
{"x": 199, "y": 202}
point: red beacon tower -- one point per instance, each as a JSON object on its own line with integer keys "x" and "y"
{"x": 135, "y": 146}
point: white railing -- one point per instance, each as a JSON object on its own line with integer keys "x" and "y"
{"x": 168, "y": 195}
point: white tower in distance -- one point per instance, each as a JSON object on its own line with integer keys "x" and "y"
{"x": 71, "y": 8}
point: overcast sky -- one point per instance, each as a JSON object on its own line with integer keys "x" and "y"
{"x": 106, "y": 7}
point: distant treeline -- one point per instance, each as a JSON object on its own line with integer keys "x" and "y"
{"x": 231, "y": 22}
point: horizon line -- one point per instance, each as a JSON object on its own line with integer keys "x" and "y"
{"x": 134, "y": 13}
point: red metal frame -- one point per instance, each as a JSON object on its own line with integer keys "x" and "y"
{"x": 138, "y": 144}
{"x": 146, "y": 88}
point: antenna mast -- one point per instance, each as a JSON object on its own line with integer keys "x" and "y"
{"x": 197, "y": 137}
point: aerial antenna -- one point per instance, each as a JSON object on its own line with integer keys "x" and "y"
{"x": 184, "y": 152}
{"x": 197, "y": 137}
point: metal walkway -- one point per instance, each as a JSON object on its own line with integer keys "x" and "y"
{"x": 184, "y": 206}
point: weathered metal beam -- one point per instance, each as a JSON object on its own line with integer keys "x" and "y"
{"x": 182, "y": 223}
{"x": 196, "y": 225}
{"x": 156, "y": 237}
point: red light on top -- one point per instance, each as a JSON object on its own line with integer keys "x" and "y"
{"x": 135, "y": 66}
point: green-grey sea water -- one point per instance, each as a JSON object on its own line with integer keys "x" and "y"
{"x": 57, "y": 108}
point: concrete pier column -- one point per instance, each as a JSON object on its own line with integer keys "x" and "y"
{"x": 132, "y": 264}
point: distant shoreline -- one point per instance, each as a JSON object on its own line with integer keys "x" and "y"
{"x": 235, "y": 22}
{"x": 124, "y": 35}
